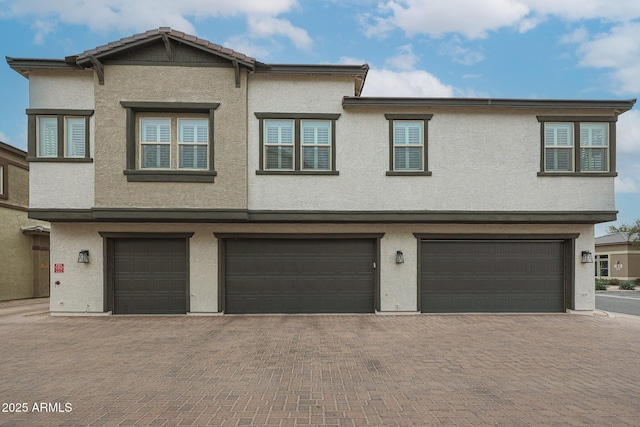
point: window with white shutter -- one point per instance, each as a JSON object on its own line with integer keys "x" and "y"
{"x": 3, "y": 179}
{"x": 558, "y": 147}
{"x": 278, "y": 144}
{"x": 75, "y": 128}
{"x": 47, "y": 137}
{"x": 58, "y": 135}
{"x": 577, "y": 146}
{"x": 297, "y": 143}
{"x": 155, "y": 143}
{"x": 408, "y": 144}
{"x": 170, "y": 141}
{"x": 193, "y": 140}
{"x": 594, "y": 147}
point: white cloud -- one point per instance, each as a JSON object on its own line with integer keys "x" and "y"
{"x": 265, "y": 26}
{"x": 416, "y": 83}
{"x": 628, "y": 132}
{"x": 249, "y": 47}
{"x": 405, "y": 60}
{"x": 471, "y": 18}
{"x": 474, "y": 19}
{"x": 460, "y": 54}
{"x": 140, "y": 15}
{"x": 579, "y": 35}
{"x": 348, "y": 60}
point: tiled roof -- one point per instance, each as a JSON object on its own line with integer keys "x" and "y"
{"x": 100, "y": 50}
{"x": 615, "y": 238}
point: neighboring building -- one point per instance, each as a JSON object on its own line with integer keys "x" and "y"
{"x": 202, "y": 181}
{"x": 617, "y": 257}
{"x": 24, "y": 247}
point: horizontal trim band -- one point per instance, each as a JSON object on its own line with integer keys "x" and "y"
{"x": 247, "y": 216}
{"x": 170, "y": 107}
{"x": 298, "y": 235}
{"x": 619, "y": 106}
{"x": 58, "y": 112}
{"x": 581, "y": 174}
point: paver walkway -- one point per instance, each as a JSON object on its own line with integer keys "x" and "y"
{"x": 508, "y": 370}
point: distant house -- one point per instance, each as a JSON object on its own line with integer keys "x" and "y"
{"x": 190, "y": 178}
{"x": 617, "y": 257}
{"x": 24, "y": 247}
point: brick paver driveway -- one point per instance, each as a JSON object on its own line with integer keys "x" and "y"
{"x": 322, "y": 370}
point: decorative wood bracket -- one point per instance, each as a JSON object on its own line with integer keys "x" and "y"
{"x": 236, "y": 68}
{"x": 97, "y": 65}
{"x": 167, "y": 46}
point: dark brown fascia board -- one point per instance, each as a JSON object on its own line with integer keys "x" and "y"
{"x": 24, "y": 65}
{"x": 328, "y": 69}
{"x": 86, "y": 60}
{"x": 14, "y": 150}
{"x": 618, "y": 106}
{"x": 246, "y": 216}
{"x": 169, "y": 107}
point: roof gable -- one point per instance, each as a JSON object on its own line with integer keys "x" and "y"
{"x": 164, "y": 45}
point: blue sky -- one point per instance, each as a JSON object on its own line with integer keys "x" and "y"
{"x": 557, "y": 49}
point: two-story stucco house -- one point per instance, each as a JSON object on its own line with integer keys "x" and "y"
{"x": 202, "y": 181}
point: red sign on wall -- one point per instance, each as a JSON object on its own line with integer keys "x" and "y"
{"x": 58, "y": 268}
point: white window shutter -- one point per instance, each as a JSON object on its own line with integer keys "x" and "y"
{"x": 48, "y": 137}
{"x": 76, "y": 135}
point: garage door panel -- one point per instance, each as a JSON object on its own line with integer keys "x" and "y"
{"x": 299, "y": 276}
{"x": 150, "y": 276}
{"x": 492, "y": 276}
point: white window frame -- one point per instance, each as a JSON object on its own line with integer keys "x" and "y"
{"x": 39, "y": 153}
{"x": 586, "y": 148}
{"x": 579, "y": 146}
{"x": 315, "y": 145}
{"x": 68, "y": 134}
{"x": 142, "y": 142}
{"x": 570, "y": 147}
{"x": 60, "y": 132}
{"x": 194, "y": 144}
{"x": 279, "y": 144}
{"x": 406, "y": 124}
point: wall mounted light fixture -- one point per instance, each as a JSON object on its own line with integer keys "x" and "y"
{"x": 399, "y": 257}
{"x": 586, "y": 257}
{"x": 83, "y": 256}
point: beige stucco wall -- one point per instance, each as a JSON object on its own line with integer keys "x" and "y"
{"x": 62, "y": 185}
{"x": 171, "y": 84}
{"x": 481, "y": 160}
{"x": 16, "y": 255}
{"x": 81, "y": 285}
{"x": 626, "y": 255}
{"x": 16, "y": 268}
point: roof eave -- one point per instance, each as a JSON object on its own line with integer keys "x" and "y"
{"x": 359, "y": 72}
{"x": 618, "y": 106}
{"x": 24, "y": 65}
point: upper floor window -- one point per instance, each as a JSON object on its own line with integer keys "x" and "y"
{"x": 170, "y": 141}
{"x": 59, "y": 135}
{"x": 583, "y": 146}
{"x": 408, "y": 144}
{"x": 297, "y": 143}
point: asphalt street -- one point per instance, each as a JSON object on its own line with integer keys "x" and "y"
{"x": 627, "y": 302}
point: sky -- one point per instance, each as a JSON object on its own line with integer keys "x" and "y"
{"x": 538, "y": 49}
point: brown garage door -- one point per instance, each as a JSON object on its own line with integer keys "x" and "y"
{"x": 492, "y": 276}
{"x": 299, "y": 275}
{"x": 149, "y": 276}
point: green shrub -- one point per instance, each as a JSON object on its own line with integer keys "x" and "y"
{"x": 614, "y": 282}
{"x": 601, "y": 285}
{"x": 637, "y": 281}
{"x": 627, "y": 286}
